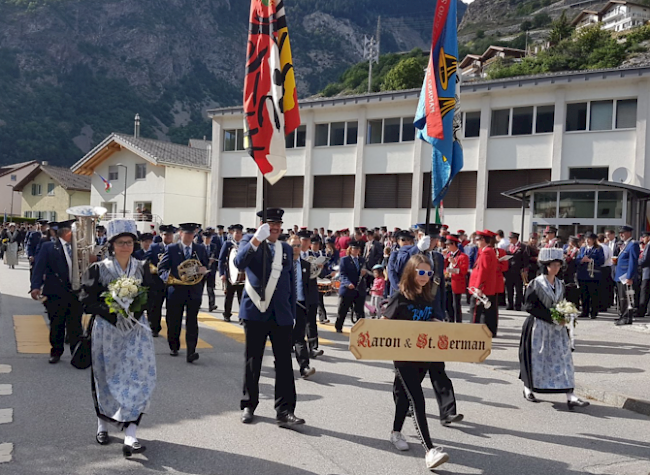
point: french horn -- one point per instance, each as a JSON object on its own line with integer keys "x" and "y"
{"x": 189, "y": 273}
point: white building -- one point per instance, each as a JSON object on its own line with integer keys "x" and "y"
{"x": 354, "y": 161}
{"x": 616, "y": 16}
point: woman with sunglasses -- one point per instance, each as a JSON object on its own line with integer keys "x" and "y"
{"x": 418, "y": 299}
{"x": 123, "y": 370}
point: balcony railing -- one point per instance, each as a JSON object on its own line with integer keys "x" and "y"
{"x": 146, "y": 217}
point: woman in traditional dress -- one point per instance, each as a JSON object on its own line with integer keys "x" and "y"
{"x": 123, "y": 360}
{"x": 545, "y": 359}
{"x": 11, "y": 254}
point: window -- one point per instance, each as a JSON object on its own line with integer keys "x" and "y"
{"x": 297, "y": 138}
{"x": 577, "y": 204}
{"x": 239, "y": 192}
{"x": 626, "y": 114}
{"x": 287, "y": 193}
{"x": 391, "y": 130}
{"x": 522, "y": 120}
{"x": 472, "y": 124}
{"x": 337, "y": 133}
{"x": 14, "y": 178}
{"x": 545, "y": 119}
{"x": 576, "y": 117}
{"x": 339, "y": 191}
{"x": 113, "y": 173}
{"x": 322, "y": 137}
{"x": 389, "y": 191}
{"x": 545, "y": 205}
{"x": 50, "y": 189}
{"x": 233, "y": 140}
{"x": 374, "y": 131}
{"x": 408, "y": 129}
{"x": 610, "y": 204}
{"x": 36, "y": 189}
{"x": 500, "y": 122}
{"x": 500, "y": 181}
{"x": 589, "y": 173}
{"x": 140, "y": 171}
{"x": 600, "y": 115}
{"x": 352, "y": 136}
{"x": 461, "y": 194}
{"x": 28, "y": 214}
{"x": 52, "y": 216}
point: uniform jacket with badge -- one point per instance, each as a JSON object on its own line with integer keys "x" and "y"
{"x": 309, "y": 286}
{"x": 51, "y": 271}
{"x": 597, "y": 254}
{"x": 458, "y": 284}
{"x": 173, "y": 257}
{"x": 282, "y": 307}
{"x": 483, "y": 275}
{"x": 628, "y": 261}
{"x": 351, "y": 275}
{"x": 519, "y": 259}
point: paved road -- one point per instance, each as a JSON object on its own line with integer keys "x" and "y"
{"x": 193, "y": 426}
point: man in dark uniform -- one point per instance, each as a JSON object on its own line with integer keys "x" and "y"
{"x": 212, "y": 248}
{"x": 516, "y": 264}
{"x": 52, "y": 279}
{"x": 33, "y": 242}
{"x": 158, "y": 291}
{"x": 183, "y": 297}
{"x": 352, "y": 292}
{"x": 100, "y": 239}
{"x": 273, "y": 317}
{"x": 626, "y": 276}
{"x": 146, "y": 239}
{"x": 232, "y": 284}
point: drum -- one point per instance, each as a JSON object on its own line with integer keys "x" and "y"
{"x": 324, "y": 286}
{"x": 336, "y": 284}
{"x": 234, "y": 275}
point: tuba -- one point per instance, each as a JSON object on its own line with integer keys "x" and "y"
{"x": 83, "y": 239}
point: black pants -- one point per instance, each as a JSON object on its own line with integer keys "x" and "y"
{"x": 489, "y": 317}
{"x": 589, "y": 298}
{"x": 449, "y": 304}
{"x": 407, "y": 390}
{"x": 514, "y": 290}
{"x": 64, "y": 313}
{"x": 311, "y": 329}
{"x": 231, "y": 290}
{"x": 154, "y": 311}
{"x": 351, "y": 297}
{"x": 644, "y": 298}
{"x": 456, "y": 309}
{"x": 322, "y": 312}
{"x": 624, "y": 312}
{"x": 182, "y": 299}
{"x": 209, "y": 286}
{"x": 299, "y": 343}
{"x": 281, "y": 341}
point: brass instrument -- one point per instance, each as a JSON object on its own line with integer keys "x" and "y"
{"x": 189, "y": 273}
{"x": 315, "y": 269}
{"x": 524, "y": 278}
{"x": 480, "y": 297}
{"x": 83, "y": 240}
{"x": 629, "y": 293}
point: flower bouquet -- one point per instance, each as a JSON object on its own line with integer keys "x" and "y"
{"x": 563, "y": 311}
{"x": 125, "y": 297}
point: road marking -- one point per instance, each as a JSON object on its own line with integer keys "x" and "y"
{"x": 6, "y": 390}
{"x": 199, "y": 344}
{"x": 32, "y": 334}
{"x": 5, "y": 452}
{"x": 6, "y": 416}
{"x": 331, "y": 328}
{"x": 5, "y": 368}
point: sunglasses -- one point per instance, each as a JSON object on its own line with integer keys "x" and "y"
{"x": 422, "y": 273}
{"x": 296, "y": 246}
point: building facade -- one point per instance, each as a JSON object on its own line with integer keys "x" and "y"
{"x": 10, "y": 176}
{"x": 355, "y": 160}
{"x": 616, "y": 16}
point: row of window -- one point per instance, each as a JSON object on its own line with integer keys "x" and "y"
{"x": 140, "y": 172}
{"x": 38, "y": 191}
{"x": 49, "y": 215}
{"x": 391, "y": 191}
{"x": 592, "y": 115}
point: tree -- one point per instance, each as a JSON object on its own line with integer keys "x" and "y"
{"x": 541, "y": 19}
{"x": 526, "y": 25}
{"x": 407, "y": 74}
{"x": 561, "y": 30}
{"x": 480, "y": 34}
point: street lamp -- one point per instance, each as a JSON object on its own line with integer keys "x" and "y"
{"x": 124, "y": 208}
{"x": 12, "y": 199}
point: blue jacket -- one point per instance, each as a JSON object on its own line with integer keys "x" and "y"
{"x": 51, "y": 271}
{"x": 154, "y": 253}
{"x": 350, "y": 275}
{"x": 628, "y": 262}
{"x": 282, "y": 307}
{"x": 472, "y": 253}
{"x": 644, "y": 263}
{"x": 33, "y": 242}
{"x": 172, "y": 259}
{"x": 223, "y": 258}
{"x": 598, "y": 255}
{"x": 396, "y": 263}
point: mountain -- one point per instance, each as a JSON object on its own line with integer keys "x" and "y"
{"x": 72, "y": 71}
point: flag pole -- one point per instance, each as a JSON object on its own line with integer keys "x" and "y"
{"x": 265, "y": 247}
{"x": 429, "y": 204}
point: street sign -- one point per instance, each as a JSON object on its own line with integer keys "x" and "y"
{"x": 398, "y": 340}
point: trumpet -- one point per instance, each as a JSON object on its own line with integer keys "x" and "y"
{"x": 480, "y": 297}
{"x": 629, "y": 293}
{"x": 590, "y": 268}
{"x": 524, "y": 278}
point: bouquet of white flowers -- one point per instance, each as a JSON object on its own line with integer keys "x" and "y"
{"x": 562, "y": 312}
{"x": 125, "y": 297}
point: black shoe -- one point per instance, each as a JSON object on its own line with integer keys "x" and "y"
{"x": 316, "y": 353}
{"x": 623, "y": 321}
{"x": 509, "y": 308}
{"x": 54, "y": 359}
{"x": 136, "y": 448}
{"x": 289, "y": 420}
{"x": 449, "y": 419}
{"x": 102, "y": 438}
{"x": 578, "y": 403}
{"x": 530, "y": 398}
{"x": 517, "y": 309}
{"x": 306, "y": 372}
{"x": 212, "y": 308}
{"x": 247, "y": 415}
{"x": 174, "y": 352}
{"x": 154, "y": 334}
{"x": 339, "y": 331}
{"x": 191, "y": 358}
{"x": 593, "y": 317}
{"x": 226, "y": 319}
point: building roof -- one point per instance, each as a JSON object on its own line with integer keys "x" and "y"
{"x": 489, "y": 53}
{"x": 63, "y": 176}
{"x": 198, "y": 143}
{"x": 583, "y": 13}
{"x": 605, "y": 9}
{"x": 523, "y": 193}
{"x": 157, "y": 152}
{"x": 6, "y": 169}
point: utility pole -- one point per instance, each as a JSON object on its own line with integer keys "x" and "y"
{"x": 371, "y": 53}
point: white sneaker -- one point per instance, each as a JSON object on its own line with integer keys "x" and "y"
{"x": 398, "y": 440}
{"x": 435, "y": 458}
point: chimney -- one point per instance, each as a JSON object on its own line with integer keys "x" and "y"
{"x": 136, "y": 128}
{"x": 44, "y": 163}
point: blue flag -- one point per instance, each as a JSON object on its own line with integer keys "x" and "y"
{"x": 434, "y": 117}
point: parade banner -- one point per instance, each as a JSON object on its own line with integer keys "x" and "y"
{"x": 270, "y": 96}
{"x": 398, "y": 340}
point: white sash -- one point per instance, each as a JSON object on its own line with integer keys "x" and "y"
{"x": 276, "y": 269}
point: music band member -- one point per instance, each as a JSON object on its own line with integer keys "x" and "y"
{"x": 52, "y": 279}
{"x": 457, "y": 265}
{"x": 483, "y": 282}
{"x": 232, "y": 279}
{"x": 626, "y": 276}
{"x": 146, "y": 239}
{"x": 589, "y": 261}
{"x": 268, "y": 264}
{"x": 212, "y": 248}
{"x": 158, "y": 290}
{"x": 353, "y": 285}
{"x": 517, "y": 264}
{"x": 183, "y": 297}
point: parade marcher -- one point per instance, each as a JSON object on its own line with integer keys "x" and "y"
{"x": 212, "y": 249}
{"x": 146, "y": 239}
{"x": 158, "y": 290}
{"x": 231, "y": 283}
{"x": 33, "y": 242}
{"x": 545, "y": 359}
{"x": 316, "y": 297}
{"x": 606, "y": 285}
{"x": 400, "y": 256}
{"x": 550, "y": 237}
{"x": 272, "y": 317}
{"x": 419, "y": 298}
{"x": 482, "y": 282}
{"x": 352, "y": 292}
{"x": 52, "y": 279}
{"x": 11, "y": 250}
{"x": 501, "y": 241}
{"x": 373, "y": 251}
{"x": 626, "y": 274}
{"x": 457, "y": 265}
{"x": 343, "y": 241}
{"x": 516, "y": 265}
{"x": 589, "y": 261}
{"x": 306, "y": 297}
{"x": 182, "y": 297}
{"x": 644, "y": 265}
{"x": 500, "y": 281}
{"x": 569, "y": 271}
{"x": 123, "y": 356}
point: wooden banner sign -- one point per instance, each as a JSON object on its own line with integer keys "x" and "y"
{"x": 398, "y": 340}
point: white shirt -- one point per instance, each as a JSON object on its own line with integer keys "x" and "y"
{"x": 504, "y": 244}
{"x": 68, "y": 258}
{"x": 185, "y": 250}
{"x": 608, "y": 255}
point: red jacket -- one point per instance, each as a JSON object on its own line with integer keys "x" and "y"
{"x": 342, "y": 244}
{"x": 483, "y": 273}
{"x": 501, "y": 268}
{"x": 458, "y": 284}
